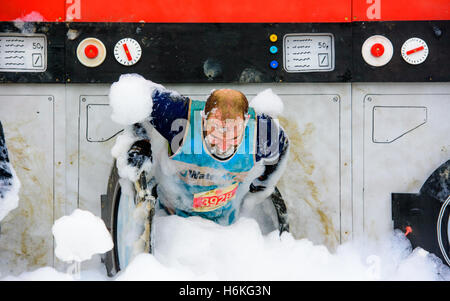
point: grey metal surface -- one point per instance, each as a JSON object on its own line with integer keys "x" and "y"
{"x": 348, "y": 154}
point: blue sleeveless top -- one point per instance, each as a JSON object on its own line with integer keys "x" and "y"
{"x": 209, "y": 184}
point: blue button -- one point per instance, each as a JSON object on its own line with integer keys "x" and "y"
{"x": 274, "y": 49}
{"x": 274, "y": 64}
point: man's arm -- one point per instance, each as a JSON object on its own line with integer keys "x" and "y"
{"x": 135, "y": 100}
{"x": 272, "y": 150}
{"x": 9, "y": 183}
{"x": 168, "y": 107}
{"x": 137, "y": 103}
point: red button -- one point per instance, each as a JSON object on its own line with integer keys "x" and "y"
{"x": 91, "y": 51}
{"x": 377, "y": 49}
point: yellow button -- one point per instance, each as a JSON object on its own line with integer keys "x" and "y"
{"x": 273, "y": 37}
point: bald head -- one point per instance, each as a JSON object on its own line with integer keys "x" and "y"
{"x": 231, "y": 104}
{"x": 224, "y": 126}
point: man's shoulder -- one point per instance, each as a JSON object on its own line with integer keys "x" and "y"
{"x": 271, "y": 139}
{"x": 169, "y": 97}
{"x": 265, "y": 122}
{"x": 168, "y": 109}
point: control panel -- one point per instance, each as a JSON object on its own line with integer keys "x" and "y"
{"x": 409, "y": 51}
{"x": 194, "y": 53}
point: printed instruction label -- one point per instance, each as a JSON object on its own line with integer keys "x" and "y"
{"x": 308, "y": 52}
{"x": 23, "y": 53}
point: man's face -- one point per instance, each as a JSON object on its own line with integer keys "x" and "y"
{"x": 223, "y": 136}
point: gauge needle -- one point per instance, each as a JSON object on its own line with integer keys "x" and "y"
{"x": 414, "y": 50}
{"x": 127, "y": 52}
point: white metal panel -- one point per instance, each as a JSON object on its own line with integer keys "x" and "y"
{"x": 389, "y": 123}
{"x": 397, "y": 150}
{"x": 311, "y": 183}
{"x": 27, "y": 115}
{"x": 96, "y": 138}
{"x": 98, "y": 115}
{"x": 88, "y": 163}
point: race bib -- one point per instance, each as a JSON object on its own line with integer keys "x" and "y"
{"x": 213, "y": 199}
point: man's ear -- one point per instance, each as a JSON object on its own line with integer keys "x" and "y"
{"x": 203, "y": 117}
{"x": 247, "y": 118}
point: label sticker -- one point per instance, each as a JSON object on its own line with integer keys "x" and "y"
{"x": 23, "y": 53}
{"x": 213, "y": 199}
{"x": 308, "y": 52}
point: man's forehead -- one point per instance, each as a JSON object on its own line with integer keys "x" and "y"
{"x": 229, "y": 124}
{"x": 227, "y": 93}
{"x": 214, "y": 120}
{"x": 216, "y": 113}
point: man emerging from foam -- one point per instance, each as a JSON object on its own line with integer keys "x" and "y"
{"x": 217, "y": 151}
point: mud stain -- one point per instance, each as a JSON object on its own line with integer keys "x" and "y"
{"x": 296, "y": 140}
{"x": 27, "y": 241}
{"x": 301, "y": 156}
{"x": 314, "y": 191}
{"x": 414, "y": 185}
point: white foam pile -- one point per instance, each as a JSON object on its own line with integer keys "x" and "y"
{"x": 130, "y": 99}
{"x": 33, "y": 16}
{"x": 267, "y": 102}
{"x": 42, "y": 274}
{"x": 25, "y": 23}
{"x": 80, "y": 235}
{"x": 198, "y": 249}
{"x": 9, "y": 198}
{"x": 123, "y": 143}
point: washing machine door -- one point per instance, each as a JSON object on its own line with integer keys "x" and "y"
{"x": 127, "y": 230}
{"x": 129, "y": 222}
{"x": 427, "y": 214}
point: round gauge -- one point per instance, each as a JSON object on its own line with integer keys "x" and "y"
{"x": 377, "y": 50}
{"x": 127, "y": 51}
{"x": 91, "y": 52}
{"x": 414, "y": 51}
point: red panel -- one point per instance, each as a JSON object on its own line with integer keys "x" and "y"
{"x": 217, "y": 11}
{"x": 400, "y": 10}
{"x": 32, "y": 10}
{"x": 226, "y": 11}
{"x": 177, "y": 11}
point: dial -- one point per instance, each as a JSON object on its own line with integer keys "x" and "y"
{"x": 127, "y": 51}
{"x": 377, "y": 50}
{"x": 91, "y": 52}
{"x": 414, "y": 51}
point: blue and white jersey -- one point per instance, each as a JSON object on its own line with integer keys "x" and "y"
{"x": 204, "y": 185}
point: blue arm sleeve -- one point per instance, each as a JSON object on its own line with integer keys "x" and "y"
{"x": 272, "y": 146}
{"x": 167, "y": 108}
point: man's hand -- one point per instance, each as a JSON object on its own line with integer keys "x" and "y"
{"x": 139, "y": 152}
{"x": 257, "y": 188}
